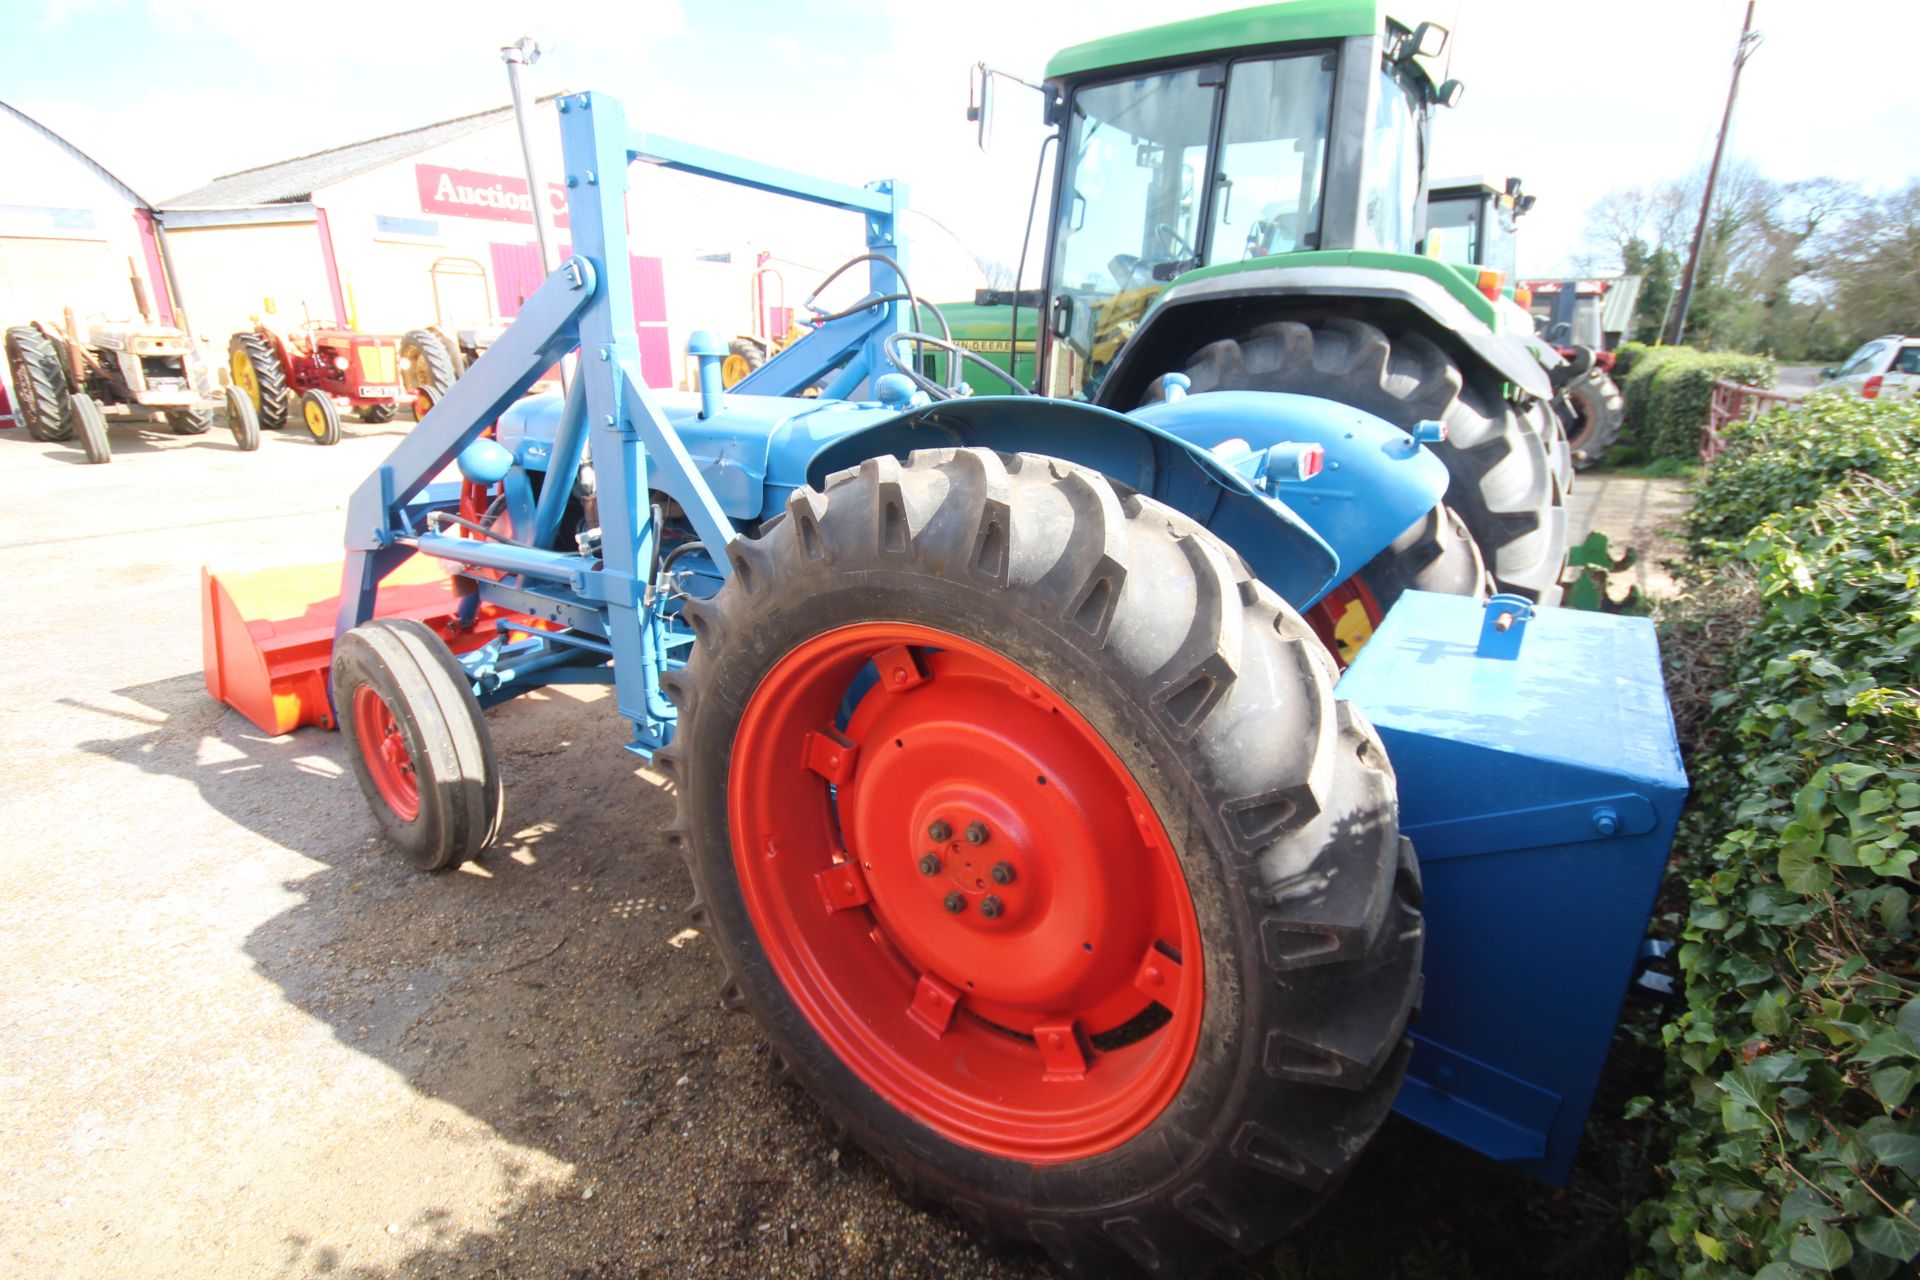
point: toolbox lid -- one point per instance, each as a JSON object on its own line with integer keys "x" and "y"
{"x": 1585, "y": 688}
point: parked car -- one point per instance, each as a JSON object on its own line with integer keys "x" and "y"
{"x": 1887, "y": 368}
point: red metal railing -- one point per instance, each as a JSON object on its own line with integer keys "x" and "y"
{"x": 1735, "y": 402}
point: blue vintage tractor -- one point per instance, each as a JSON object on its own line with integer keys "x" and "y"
{"x": 1018, "y": 799}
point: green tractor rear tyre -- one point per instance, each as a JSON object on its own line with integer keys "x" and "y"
{"x": 40, "y": 391}
{"x": 190, "y": 422}
{"x": 1501, "y": 458}
{"x": 255, "y": 368}
{"x": 997, "y": 783}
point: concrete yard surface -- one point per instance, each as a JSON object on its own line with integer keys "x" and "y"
{"x": 1637, "y": 514}
{"x": 239, "y": 1039}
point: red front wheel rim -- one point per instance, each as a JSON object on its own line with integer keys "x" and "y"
{"x": 965, "y": 892}
{"x": 385, "y": 750}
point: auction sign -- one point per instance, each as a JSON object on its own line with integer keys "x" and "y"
{"x": 464, "y": 193}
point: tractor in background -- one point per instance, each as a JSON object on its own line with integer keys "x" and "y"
{"x": 433, "y": 356}
{"x": 308, "y": 374}
{"x": 1239, "y": 202}
{"x": 70, "y": 385}
{"x": 1585, "y": 320}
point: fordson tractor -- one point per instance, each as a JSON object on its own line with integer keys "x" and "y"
{"x": 311, "y": 372}
{"x": 1019, "y": 801}
{"x": 1239, "y": 199}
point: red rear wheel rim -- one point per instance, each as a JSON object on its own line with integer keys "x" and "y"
{"x": 385, "y": 751}
{"x": 1035, "y": 994}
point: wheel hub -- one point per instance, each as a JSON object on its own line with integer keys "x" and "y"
{"x": 385, "y": 751}
{"x": 965, "y": 891}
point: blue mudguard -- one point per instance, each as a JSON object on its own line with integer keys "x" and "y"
{"x": 1377, "y": 480}
{"x": 1540, "y": 782}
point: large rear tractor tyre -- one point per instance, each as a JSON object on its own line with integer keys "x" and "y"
{"x": 90, "y": 429}
{"x": 1500, "y": 457}
{"x": 376, "y": 413}
{"x": 320, "y": 416}
{"x": 1028, "y": 826}
{"x": 426, "y": 361}
{"x": 1596, "y": 412}
{"x": 1435, "y": 554}
{"x": 418, "y": 742}
{"x": 190, "y": 422}
{"x": 255, "y": 368}
{"x": 39, "y": 385}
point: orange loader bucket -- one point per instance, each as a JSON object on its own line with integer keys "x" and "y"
{"x": 267, "y": 636}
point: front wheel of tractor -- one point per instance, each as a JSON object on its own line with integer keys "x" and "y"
{"x": 320, "y": 416}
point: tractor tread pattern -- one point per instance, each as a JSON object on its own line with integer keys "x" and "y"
{"x": 42, "y": 398}
{"x": 1502, "y": 460}
{"x": 439, "y": 361}
{"x": 1599, "y": 412}
{"x": 267, "y": 374}
{"x": 190, "y": 422}
{"x": 1284, "y": 806}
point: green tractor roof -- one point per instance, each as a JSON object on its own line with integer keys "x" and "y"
{"x": 1221, "y": 32}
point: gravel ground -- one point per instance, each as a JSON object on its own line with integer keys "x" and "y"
{"x": 239, "y": 1039}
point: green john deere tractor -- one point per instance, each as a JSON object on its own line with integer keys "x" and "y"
{"x": 1239, "y": 198}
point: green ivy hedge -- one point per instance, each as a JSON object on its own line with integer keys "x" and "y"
{"x": 1794, "y": 1146}
{"x": 1789, "y": 458}
{"x": 1668, "y": 391}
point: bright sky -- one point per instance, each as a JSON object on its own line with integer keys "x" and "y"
{"x": 1574, "y": 98}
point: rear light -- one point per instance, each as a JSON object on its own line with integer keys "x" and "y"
{"x": 1870, "y": 389}
{"x": 1312, "y": 460}
{"x": 1491, "y": 283}
{"x": 1523, "y": 296}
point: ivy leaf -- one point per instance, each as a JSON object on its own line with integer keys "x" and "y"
{"x": 1892, "y": 1085}
{"x": 1888, "y": 1236}
{"x": 1899, "y": 1149}
{"x": 1827, "y": 1249}
{"x": 1909, "y": 1019}
{"x": 1709, "y": 1246}
{"x": 1801, "y": 872}
{"x": 1770, "y": 1014}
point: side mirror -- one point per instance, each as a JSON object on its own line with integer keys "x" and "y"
{"x": 1429, "y": 38}
{"x": 980, "y": 104}
{"x": 1829, "y": 371}
{"x": 1448, "y": 94}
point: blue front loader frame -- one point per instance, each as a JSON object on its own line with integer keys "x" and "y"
{"x": 1520, "y": 834}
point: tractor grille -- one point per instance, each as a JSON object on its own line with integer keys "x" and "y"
{"x": 377, "y": 363}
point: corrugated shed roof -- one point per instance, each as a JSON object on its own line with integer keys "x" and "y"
{"x": 297, "y": 179}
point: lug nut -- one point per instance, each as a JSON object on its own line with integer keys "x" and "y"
{"x": 956, "y": 902}
{"x": 976, "y": 833}
{"x": 990, "y": 907}
{"x": 940, "y": 832}
{"x": 1002, "y": 873}
{"x": 929, "y": 864}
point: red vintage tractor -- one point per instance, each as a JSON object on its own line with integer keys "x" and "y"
{"x": 315, "y": 369}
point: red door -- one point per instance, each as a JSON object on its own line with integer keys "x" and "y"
{"x": 516, "y": 274}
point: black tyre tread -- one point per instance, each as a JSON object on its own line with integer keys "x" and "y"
{"x": 433, "y": 351}
{"x": 1600, "y": 412}
{"x": 434, "y": 702}
{"x": 242, "y": 420}
{"x": 267, "y": 372}
{"x": 1501, "y": 465}
{"x": 190, "y": 422}
{"x": 90, "y": 429}
{"x": 40, "y": 392}
{"x": 1284, "y": 808}
{"x": 376, "y": 413}
{"x": 1436, "y": 553}
{"x": 329, "y": 409}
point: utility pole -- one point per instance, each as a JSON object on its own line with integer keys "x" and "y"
{"x": 1749, "y": 41}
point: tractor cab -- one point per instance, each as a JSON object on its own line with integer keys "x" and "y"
{"x": 1236, "y": 138}
{"x": 1471, "y": 222}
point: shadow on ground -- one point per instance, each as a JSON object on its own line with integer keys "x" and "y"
{"x": 555, "y": 995}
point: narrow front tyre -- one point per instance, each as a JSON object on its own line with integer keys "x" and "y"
{"x": 417, "y": 741}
